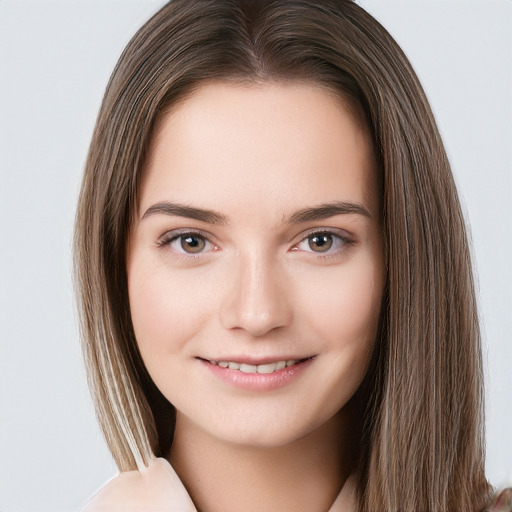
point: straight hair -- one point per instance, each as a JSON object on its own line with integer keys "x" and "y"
{"x": 422, "y": 420}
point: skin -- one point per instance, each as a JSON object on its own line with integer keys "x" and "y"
{"x": 258, "y": 286}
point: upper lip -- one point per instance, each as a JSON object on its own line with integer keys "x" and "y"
{"x": 255, "y": 361}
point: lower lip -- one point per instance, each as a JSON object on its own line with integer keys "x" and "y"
{"x": 258, "y": 381}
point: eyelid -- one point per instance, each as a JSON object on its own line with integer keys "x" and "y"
{"x": 341, "y": 233}
{"x": 346, "y": 240}
{"x": 172, "y": 235}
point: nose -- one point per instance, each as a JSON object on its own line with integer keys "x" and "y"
{"x": 257, "y": 300}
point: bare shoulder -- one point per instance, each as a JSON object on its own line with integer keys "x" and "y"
{"x": 156, "y": 488}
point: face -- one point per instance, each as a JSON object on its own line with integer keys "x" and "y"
{"x": 255, "y": 263}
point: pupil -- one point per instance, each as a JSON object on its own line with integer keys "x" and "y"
{"x": 192, "y": 244}
{"x": 320, "y": 243}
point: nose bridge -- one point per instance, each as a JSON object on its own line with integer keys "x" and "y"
{"x": 257, "y": 300}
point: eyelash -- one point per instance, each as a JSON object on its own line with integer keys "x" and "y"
{"x": 341, "y": 240}
{"x": 175, "y": 236}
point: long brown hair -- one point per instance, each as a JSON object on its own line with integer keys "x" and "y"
{"x": 422, "y": 430}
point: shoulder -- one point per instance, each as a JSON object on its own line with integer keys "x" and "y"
{"x": 156, "y": 488}
{"x": 502, "y": 502}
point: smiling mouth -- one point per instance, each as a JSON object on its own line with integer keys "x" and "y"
{"x": 267, "y": 368}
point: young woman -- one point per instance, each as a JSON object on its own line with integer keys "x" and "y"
{"x": 277, "y": 303}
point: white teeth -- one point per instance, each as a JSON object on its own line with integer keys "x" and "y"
{"x": 261, "y": 368}
{"x": 248, "y": 368}
{"x": 267, "y": 368}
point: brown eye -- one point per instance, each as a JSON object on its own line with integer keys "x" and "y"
{"x": 320, "y": 242}
{"x": 192, "y": 244}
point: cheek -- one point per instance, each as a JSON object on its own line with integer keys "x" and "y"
{"x": 166, "y": 311}
{"x": 344, "y": 315}
{"x": 345, "y": 310}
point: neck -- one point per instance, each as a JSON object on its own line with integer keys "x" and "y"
{"x": 304, "y": 475}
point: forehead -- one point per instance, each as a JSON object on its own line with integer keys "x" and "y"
{"x": 271, "y": 146}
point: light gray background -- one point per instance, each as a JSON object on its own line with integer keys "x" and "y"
{"x": 55, "y": 59}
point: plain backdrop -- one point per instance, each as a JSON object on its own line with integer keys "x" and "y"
{"x": 55, "y": 60}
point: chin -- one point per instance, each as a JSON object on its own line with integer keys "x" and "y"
{"x": 269, "y": 430}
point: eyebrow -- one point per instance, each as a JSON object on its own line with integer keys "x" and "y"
{"x": 190, "y": 212}
{"x": 322, "y": 211}
{"x": 326, "y": 210}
